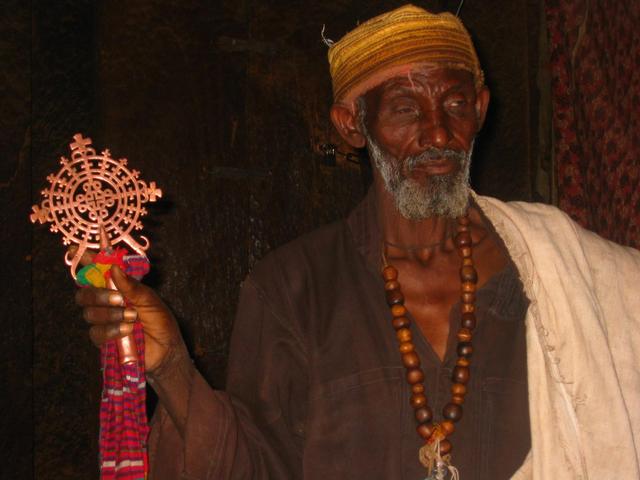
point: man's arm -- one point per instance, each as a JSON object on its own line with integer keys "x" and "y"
{"x": 199, "y": 433}
{"x": 254, "y": 430}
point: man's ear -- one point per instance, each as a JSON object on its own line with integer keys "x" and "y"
{"x": 482, "y": 104}
{"x": 345, "y": 120}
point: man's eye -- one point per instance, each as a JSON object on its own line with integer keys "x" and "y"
{"x": 456, "y": 104}
{"x": 404, "y": 111}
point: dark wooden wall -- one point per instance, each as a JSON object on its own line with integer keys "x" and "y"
{"x": 224, "y": 105}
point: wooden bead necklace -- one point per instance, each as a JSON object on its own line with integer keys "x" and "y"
{"x": 435, "y": 454}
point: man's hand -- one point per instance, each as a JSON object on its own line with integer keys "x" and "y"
{"x": 105, "y": 311}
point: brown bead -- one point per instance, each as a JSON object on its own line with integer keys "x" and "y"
{"x": 465, "y": 252}
{"x": 468, "y": 308}
{"x": 463, "y": 239}
{"x": 406, "y": 347}
{"x": 460, "y": 375}
{"x": 468, "y": 297}
{"x": 462, "y": 362}
{"x": 457, "y": 399}
{"x": 415, "y": 375}
{"x": 458, "y": 389}
{"x": 392, "y": 285}
{"x": 464, "y": 349}
{"x": 452, "y": 412}
{"x": 425, "y": 430}
{"x": 468, "y": 274}
{"x": 445, "y": 447}
{"x": 403, "y": 335}
{"x": 417, "y": 388}
{"x": 389, "y": 273}
{"x": 410, "y": 360}
{"x": 394, "y": 297}
{"x": 447, "y": 427}
{"x": 467, "y": 262}
{"x": 468, "y": 287}
{"x": 400, "y": 322}
{"x": 464, "y": 335}
{"x": 469, "y": 320}
{"x": 398, "y": 310}
{"x": 424, "y": 414}
{"x": 418, "y": 400}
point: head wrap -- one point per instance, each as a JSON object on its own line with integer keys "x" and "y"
{"x": 393, "y": 43}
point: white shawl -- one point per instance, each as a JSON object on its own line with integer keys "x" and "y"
{"x": 583, "y": 343}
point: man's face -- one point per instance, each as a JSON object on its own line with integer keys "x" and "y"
{"x": 420, "y": 130}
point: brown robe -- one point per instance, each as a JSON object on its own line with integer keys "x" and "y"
{"x": 316, "y": 389}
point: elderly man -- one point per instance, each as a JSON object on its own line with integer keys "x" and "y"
{"x": 357, "y": 348}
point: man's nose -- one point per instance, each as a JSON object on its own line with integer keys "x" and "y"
{"x": 434, "y": 132}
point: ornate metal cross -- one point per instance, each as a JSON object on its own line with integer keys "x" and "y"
{"x": 91, "y": 193}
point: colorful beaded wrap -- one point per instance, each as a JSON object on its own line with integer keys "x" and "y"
{"x": 391, "y": 44}
{"x": 436, "y": 451}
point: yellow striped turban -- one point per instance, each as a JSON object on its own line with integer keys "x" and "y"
{"x": 391, "y": 44}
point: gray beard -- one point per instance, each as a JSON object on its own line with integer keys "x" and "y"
{"x": 440, "y": 196}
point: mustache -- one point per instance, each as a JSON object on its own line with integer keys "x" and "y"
{"x": 434, "y": 153}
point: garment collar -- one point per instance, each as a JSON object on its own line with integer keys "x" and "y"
{"x": 365, "y": 230}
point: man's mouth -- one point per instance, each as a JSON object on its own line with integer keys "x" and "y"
{"x": 438, "y": 166}
{"x": 435, "y": 162}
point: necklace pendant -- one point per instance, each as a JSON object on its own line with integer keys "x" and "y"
{"x": 438, "y": 466}
{"x": 439, "y": 472}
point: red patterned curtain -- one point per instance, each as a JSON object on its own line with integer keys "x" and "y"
{"x": 595, "y": 69}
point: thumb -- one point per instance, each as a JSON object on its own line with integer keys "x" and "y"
{"x": 129, "y": 287}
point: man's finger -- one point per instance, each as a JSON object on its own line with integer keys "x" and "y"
{"x": 129, "y": 287}
{"x": 92, "y": 296}
{"x": 104, "y": 315}
{"x": 100, "y": 334}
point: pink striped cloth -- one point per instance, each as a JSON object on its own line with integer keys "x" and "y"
{"x": 123, "y": 415}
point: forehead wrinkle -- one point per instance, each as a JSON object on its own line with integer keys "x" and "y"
{"x": 404, "y": 83}
{"x": 413, "y": 86}
{"x": 417, "y": 82}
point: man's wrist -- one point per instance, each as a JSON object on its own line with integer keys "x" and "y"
{"x": 172, "y": 381}
{"x": 177, "y": 361}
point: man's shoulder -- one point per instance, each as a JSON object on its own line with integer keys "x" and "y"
{"x": 528, "y": 218}
{"x": 523, "y": 211}
{"x": 313, "y": 251}
{"x": 542, "y": 225}
{"x": 319, "y": 241}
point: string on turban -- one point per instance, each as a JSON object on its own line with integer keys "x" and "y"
{"x": 393, "y": 43}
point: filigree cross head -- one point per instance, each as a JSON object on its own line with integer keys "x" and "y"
{"x": 94, "y": 193}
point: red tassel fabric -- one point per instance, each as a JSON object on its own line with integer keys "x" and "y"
{"x": 123, "y": 415}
